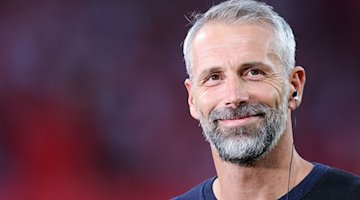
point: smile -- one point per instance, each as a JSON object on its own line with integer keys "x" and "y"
{"x": 238, "y": 121}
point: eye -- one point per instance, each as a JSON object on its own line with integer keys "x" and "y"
{"x": 212, "y": 79}
{"x": 255, "y": 74}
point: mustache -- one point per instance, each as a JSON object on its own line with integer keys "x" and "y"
{"x": 243, "y": 110}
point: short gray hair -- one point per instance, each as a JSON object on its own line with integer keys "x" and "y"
{"x": 248, "y": 12}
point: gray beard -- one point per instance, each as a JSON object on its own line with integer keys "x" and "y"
{"x": 247, "y": 144}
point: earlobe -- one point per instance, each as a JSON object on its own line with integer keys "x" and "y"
{"x": 297, "y": 80}
{"x": 193, "y": 111}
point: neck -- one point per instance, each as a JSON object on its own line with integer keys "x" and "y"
{"x": 268, "y": 178}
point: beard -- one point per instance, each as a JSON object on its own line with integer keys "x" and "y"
{"x": 249, "y": 143}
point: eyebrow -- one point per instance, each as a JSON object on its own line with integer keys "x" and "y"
{"x": 254, "y": 64}
{"x": 208, "y": 71}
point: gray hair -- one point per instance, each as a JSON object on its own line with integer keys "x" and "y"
{"x": 250, "y": 12}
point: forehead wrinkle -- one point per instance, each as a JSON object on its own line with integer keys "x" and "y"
{"x": 209, "y": 45}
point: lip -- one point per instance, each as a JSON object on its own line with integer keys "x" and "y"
{"x": 238, "y": 122}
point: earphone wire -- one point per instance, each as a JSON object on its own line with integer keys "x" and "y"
{"x": 292, "y": 154}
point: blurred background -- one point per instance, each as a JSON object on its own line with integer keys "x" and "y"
{"x": 93, "y": 105}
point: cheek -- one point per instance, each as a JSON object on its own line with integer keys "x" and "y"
{"x": 270, "y": 92}
{"x": 206, "y": 102}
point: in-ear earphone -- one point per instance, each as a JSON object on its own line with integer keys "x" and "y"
{"x": 295, "y": 95}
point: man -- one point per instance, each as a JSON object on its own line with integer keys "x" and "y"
{"x": 243, "y": 85}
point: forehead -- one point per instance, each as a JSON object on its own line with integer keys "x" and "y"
{"x": 232, "y": 44}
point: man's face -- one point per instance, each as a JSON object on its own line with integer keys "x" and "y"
{"x": 239, "y": 90}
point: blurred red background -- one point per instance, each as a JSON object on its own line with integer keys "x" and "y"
{"x": 93, "y": 105}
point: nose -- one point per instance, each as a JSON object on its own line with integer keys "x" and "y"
{"x": 236, "y": 92}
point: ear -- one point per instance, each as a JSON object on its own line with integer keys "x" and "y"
{"x": 297, "y": 80}
{"x": 193, "y": 111}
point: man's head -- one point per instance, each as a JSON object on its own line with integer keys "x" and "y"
{"x": 245, "y": 12}
{"x": 240, "y": 60}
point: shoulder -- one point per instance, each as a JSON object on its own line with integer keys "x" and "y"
{"x": 343, "y": 180}
{"x": 336, "y": 184}
{"x": 203, "y": 191}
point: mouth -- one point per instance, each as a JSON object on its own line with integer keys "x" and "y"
{"x": 239, "y": 121}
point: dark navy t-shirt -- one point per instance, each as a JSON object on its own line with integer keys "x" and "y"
{"x": 320, "y": 176}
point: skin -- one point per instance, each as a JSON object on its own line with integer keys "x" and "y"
{"x": 234, "y": 64}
